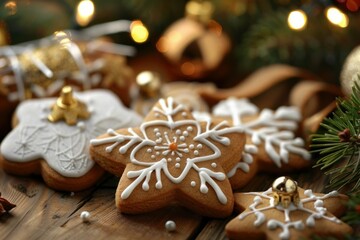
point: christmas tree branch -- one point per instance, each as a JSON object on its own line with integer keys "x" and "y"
{"x": 339, "y": 143}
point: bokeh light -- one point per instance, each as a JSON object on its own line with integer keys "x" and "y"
{"x": 85, "y": 12}
{"x": 297, "y": 20}
{"x": 138, "y": 31}
{"x": 337, "y": 17}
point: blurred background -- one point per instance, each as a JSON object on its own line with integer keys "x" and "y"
{"x": 314, "y": 35}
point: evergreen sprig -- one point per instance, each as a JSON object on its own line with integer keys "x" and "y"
{"x": 339, "y": 144}
{"x": 353, "y": 213}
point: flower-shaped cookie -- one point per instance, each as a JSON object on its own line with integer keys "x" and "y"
{"x": 172, "y": 158}
{"x": 60, "y": 152}
{"x": 313, "y": 215}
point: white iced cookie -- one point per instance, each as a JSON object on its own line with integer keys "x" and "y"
{"x": 57, "y": 150}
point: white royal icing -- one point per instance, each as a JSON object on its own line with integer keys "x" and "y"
{"x": 188, "y": 153}
{"x": 319, "y": 213}
{"x": 274, "y": 129}
{"x": 64, "y": 147}
{"x": 246, "y": 160}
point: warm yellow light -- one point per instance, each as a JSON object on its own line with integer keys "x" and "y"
{"x": 138, "y": 31}
{"x": 344, "y": 22}
{"x": 297, "y": 20}
{"x": 85, "y": 12}
{"x": 337, "y": 17}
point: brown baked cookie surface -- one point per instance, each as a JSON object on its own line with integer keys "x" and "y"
{"x": 172, "y": 158}
{"x": 57, "y": 150}
{"x": 286, "y": 211}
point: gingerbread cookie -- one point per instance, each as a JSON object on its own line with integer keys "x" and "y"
{"x": 286, "y": 211}
{"x": 271, "y": 132}
{"x": 172, "y": 158}
{"x": 59, "y": 150}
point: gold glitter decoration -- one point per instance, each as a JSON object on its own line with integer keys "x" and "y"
{"x": 116, "y": 71}
{"x": 56, "y": 58}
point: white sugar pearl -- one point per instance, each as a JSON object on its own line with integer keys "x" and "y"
{"x": 85, "y": 216}
{"x": 170, "y": 226}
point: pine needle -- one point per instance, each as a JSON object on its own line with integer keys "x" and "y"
{"x": 339, "y": 143}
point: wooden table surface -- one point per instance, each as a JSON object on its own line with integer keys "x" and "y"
{"x": 42, "y": 213}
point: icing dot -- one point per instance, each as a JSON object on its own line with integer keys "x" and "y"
{"x": 213, "y": 165}
{"x": 182, "y": 138}
{"x": 149, "y": 150}
{"x": 196, "y": 152}
{"x": 189, "y": 129}
{"x": 184, "y": 114}
{"x": 191, "y": 146}
{"x": 169, "y": 159}
{"x": 319, "y": 203}
{"x": 158, "y": 185}
{"x": 156, "y": 130}
{"x": 204, "y": 189}
{"x": 186, "y": 150}
{"x": 159, "y": 140}
{"x": 157, "y": 153}
{"x": 177, "y": 165}
{"x": 185, "y": 133}
{"x": 153, "y": 156}
{"x": 158, "y": 134}
{"x": 178, "y": 159}
{"x": 193, "y": 183}
{"x": 81, "y": 126}
{"x": 199, "y": 146}
{"x": 178, "y": 132}
{"x": 170, "y": 226}
{"x": 85, "y": 216}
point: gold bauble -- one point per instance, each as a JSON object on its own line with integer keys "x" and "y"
{"x": 350, "y": 71}
{"x": 285, "y": 192}
{"x": 57, "y": 59}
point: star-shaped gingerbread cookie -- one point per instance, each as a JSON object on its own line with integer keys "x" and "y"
{"x": 271, "y": 143}
{"x": 288, "y": 212}
{"x": 57, "y": 150}
{"x": 172, "y": 158}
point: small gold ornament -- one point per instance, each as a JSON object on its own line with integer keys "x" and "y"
{"x": 68, "y": 108}
{"x": 350, "y": 71}
{"x": 285, "y": 192}
{"x": 149, "y": 84}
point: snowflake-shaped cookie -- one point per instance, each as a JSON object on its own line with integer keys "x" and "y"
{"x": 270, "y": 136}
{"x": 172, "y": 158}
{"x": 262, "y": 219}
{"x": 61, "y": 150}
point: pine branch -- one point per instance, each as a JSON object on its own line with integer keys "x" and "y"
{"x": 339, "y": 144}
{"x": 353, "y": 214}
